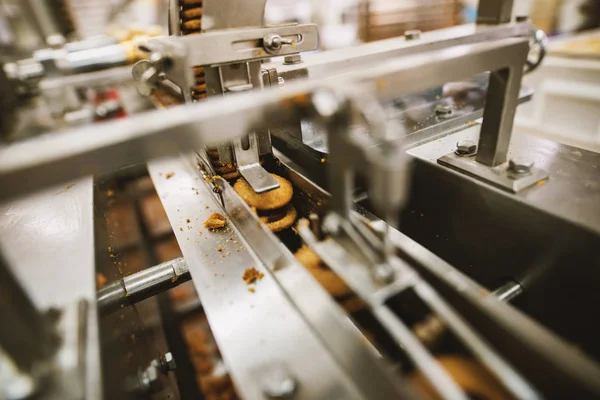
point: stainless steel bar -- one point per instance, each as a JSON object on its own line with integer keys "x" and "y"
{"x": 499, "y": 113}
{"x": 142, "y": 285}
{"x": 105, "y": 147}
{"x": 322, "y": 64}
{"x": 494, "y": 11}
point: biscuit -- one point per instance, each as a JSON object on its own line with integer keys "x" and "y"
{"x": 308, "y": 258}
{"x": 283, "y": 223}
{"x": 270, "y": 200}
{"x": 231, "y": 175}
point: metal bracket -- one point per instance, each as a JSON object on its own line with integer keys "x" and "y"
{"x": 250, "y": 168}
{"x": 237, "y": 45}
{"x": 498, "y": 176}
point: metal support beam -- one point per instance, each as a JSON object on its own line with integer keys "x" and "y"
{"x": 499, "y": 113}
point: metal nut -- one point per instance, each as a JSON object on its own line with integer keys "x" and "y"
{"x": 466, "y": 148}
{"x": 520, "y": 166}
{"x": 412, "y": 34}
{"x": 167, "y": 362}
{"x": 443, "y": 110}
{"x": 292, "y": 59}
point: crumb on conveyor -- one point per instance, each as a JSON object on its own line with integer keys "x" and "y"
{"x": 251, "y": 275}
{"x": 215, "y": 221}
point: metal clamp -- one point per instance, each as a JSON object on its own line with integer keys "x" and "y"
{"x": 237, "y": 45}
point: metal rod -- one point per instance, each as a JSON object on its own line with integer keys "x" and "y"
{"x": 508, "y": 291}
{"x": 142, "y": 285}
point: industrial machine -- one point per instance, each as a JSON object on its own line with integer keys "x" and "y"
{"x": 353, "y": 224}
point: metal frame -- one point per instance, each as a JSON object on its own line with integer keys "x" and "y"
{"x": 102, "y": 148}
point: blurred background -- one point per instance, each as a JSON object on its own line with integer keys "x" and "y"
{"x": 341, "y": 22}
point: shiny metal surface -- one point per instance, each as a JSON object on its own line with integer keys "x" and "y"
{"x": 47, "y": 239}
{"x": 251, "y": 329}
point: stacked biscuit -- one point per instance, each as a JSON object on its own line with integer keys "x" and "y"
{"x": 227, "y": 171}
{"x": 274, "y": 207}
{"x": 334, "y": 285}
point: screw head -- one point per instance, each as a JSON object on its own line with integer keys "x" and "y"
{"x": 277, "y": 384}
{"x": 412, "y": 34}
{"x": 292, "y": 59}
{"x": 56, "y": 41}
{"x": 383, "y": 274}
{"x": 272, "y": 42}
{"x": 520, "y": 166}
{"x": 466, "y": 148}
{"x": 443, "y": 110}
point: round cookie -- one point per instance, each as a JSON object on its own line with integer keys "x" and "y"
{"x": 269, "y": 200}
{"x": 283, "y": 223}
{"x": 330, "y": 281}
{"x": 231, "y": 175}
{"x": 307, "y": 257}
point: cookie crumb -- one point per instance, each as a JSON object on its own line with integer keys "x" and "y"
{"x": 251, "y": 275}
{"x": 169, "y": 175}
{"x": 215, "y": 221}
{"x": 251, "y": 290}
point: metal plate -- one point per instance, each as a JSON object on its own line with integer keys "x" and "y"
{"x": 497, "y": 176}
{"x": 48, "y": 241}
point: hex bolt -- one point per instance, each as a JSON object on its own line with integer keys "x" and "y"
{"x": 466, "y": 147}
{"x": 277, "y": 384}
{"x": 292, "y": 59}
{"x": 167, "y": 363}
{"x": 520, "y": 166}
{"x": 383, "y": 274}
{"x": 443, "y": 110}
{"x": 412, "y": 34}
